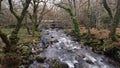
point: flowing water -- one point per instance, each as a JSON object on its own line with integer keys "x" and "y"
{"x": 72, "y": 53}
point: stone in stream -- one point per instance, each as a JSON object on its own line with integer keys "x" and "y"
{"x": 40, "y": 59}
{"x": 36, "y": 65}
{"x": 53, "y": 40}
{"x": 57, "y": 64}
{"x": 90, "y": 62}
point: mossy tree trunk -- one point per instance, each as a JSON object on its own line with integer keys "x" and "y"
{"x": 35, "y": 5}
{"x": 115, "y": 19}
{"x": 14, "y": 35}
{"x": 73, "y": 18}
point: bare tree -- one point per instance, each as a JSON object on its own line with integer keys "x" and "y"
{"x": 44, "y": 11}
{"x": 37, "y": 15}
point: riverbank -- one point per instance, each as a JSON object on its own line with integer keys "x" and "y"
{"x": 99, "y": 43}
{"x": 72, "y": 53}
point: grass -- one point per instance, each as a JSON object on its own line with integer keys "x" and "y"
{"x": 23, "y": 35}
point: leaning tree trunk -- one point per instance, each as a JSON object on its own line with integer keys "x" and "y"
{"x": 73, "y": 18}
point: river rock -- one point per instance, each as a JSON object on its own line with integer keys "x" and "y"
{"x": 36, "y": 65}
{"x": 40, "y": 59}
{"x": 57, "y": 64}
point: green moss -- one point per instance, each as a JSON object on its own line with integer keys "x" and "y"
{"x": 25, "y": 50}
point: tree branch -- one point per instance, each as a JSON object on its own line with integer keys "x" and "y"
{"x": 24, "y": 11}
{"x": 117, "y": 14}
{"x": 12, "y": 10}
{"x": 107, "y": 8}
{"x": 67, "y": 9}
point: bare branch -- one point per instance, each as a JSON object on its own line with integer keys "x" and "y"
{"x": 24, "y": 11}
{"x": 12, "y": 10}
{"x": 107, "y": 8}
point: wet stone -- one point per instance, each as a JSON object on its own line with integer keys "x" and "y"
{"x": 57, "y": 64}
{"x": 90, "y": 62}
{"x": 40, "y": 59}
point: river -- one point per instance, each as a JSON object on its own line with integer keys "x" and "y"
{"x": 75, "y": 54}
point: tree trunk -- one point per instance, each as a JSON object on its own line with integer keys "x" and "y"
{"x": 14, "y": 35}
{"x": 0, "y": 5}
{"x": 75, "y": 26}
{"x": 114, "y": 20}
{"x": 89, "y": 25}
{"x": 73, "y": 18}
{"x": 113, "y": 32}
{"x": 26, "y": 25}
{"x": 115, "y": 23}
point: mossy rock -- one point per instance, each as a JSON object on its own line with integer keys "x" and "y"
{"x": 25, "y": 50}
{"x": 40, "y": 59}
{"x": 58, "y": 64}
